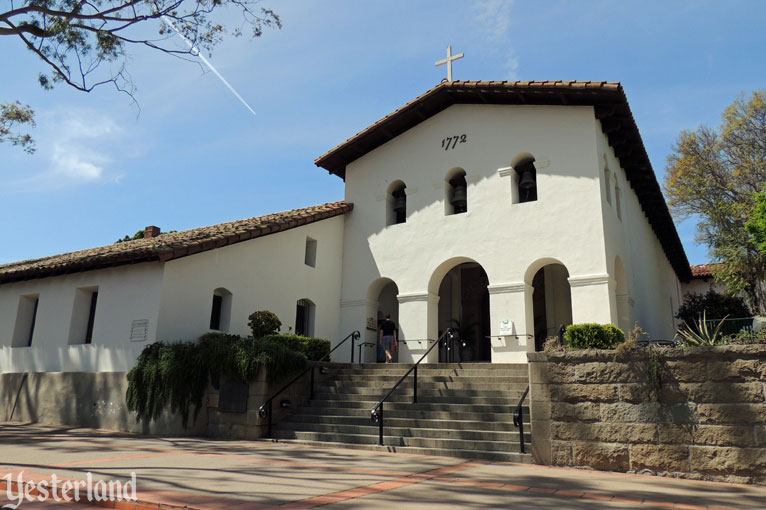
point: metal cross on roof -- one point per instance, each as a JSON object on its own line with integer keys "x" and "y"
{"x": 448, "y": 61}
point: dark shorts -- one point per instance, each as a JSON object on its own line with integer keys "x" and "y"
{"x": 388, "y": 342}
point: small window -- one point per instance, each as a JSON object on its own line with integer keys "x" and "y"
{"x": 311, "y": 252}
{"x": 304, "y": 317}
{"x": 26, "y": 316}
{"x": 618, "y": 200}
{"x": 397, "y": 203}
{"x": 607, "y": 185}
{"x": 83, "y": 316}
{"x": 220, "y": 313}
{"x": 456, "y": 192}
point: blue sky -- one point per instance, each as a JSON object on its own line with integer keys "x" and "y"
{"x": 195, "y": 156}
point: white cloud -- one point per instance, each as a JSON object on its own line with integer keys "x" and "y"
{"x": 75, "y": 162}
{"x": 495, "y": 19}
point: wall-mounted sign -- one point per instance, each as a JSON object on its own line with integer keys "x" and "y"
{"x": 372, "y": 324}
{"x": 506, "y": 327}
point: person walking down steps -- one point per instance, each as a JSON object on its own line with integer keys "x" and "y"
{"x": 388, "y": 337}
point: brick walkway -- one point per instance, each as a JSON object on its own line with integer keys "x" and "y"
{"x": 206, "y": 474}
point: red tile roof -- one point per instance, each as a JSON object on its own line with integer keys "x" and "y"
{"x": 703, "y": 270}
{"x": 610, "y": 107}
{"x": 170, "y": 246}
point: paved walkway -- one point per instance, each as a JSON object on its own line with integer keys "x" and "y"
{"x": 238, "y": 475}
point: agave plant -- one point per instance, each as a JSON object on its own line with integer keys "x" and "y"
{"x": 702, "y": 335}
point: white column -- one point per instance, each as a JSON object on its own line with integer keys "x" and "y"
{"x": 593, "y": 299}
{"x": 511, "y": 301}
{"x": 418, "y": 323}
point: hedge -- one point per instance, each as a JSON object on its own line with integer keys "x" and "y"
{"x": 593, "y": 336}
{"x": 313, "y": 348}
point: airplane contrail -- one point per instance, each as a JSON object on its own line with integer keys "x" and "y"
{"x": 197, "y": 52}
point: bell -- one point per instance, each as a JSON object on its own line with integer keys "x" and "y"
{"x": 527, "y": 180}
{"x": 459, "y": 197}
{"x": 400, "y": 203}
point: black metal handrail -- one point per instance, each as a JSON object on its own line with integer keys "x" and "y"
{"x": 518, "y": 419}
{"x": 265, "y": 410}
{"x": 376, "y": 414}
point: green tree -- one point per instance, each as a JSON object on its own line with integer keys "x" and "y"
{"x": 756, "y": 225}
{"x": 12, "y": 116}
{"x": 713, "y": 176}
{"x": 85, "y": 44}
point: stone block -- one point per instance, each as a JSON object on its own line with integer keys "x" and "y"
{"x": 724, "y": 435}
{"x": 540, "y": 410}
{"x": 659, "y": 457}
{"x": 585, "y": 411}
{"x": 760, "y": 436}
{"x": 635, "y": 393}
{"x": 686, "y": 370}
{"x": 562, "y": 372}
{"x": 726, "y": 460}
{"x": 732, "y": 413}
{"x": 603, "y": 456}
{"x": 676, "y": 433}
{"x": 744, "y": 370}
{"x": 212, "y": 400}
{"x": 651, "y": 412}
{"x": 541, "y": 429}
{"x": 541, "y": 451}
{"x": 542, "y": 392}
{"x": 538, "y": 373}
{"x": 608, "y": 372}
{"x": 587, "y": 393}
{"x": 561, "y": 453}
{"x": 606, "y": 432}
{"x": 711, "y": 392}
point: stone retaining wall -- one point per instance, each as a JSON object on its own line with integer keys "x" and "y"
{"x": 596, "y": 409}
{"x": 97, "y": 400}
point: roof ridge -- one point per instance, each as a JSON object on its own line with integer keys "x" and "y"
{"x": 171, "y": 245}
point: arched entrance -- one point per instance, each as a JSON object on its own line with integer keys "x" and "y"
{"x": 551, "y": 300}
{"x": 382, "y": 300}
{"x": 464, "y": 305}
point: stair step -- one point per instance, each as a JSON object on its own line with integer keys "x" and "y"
{"x": 510, "y": 434}
{"x": 500, "y": 423}
{"x": 463, "y": 410}
{"x": 467, "y": 388}
{"x": 448, "y": 398}
{"x": 392, "y": 378}
{"x": 407, "y": 405}
{"x": 524, "y": 458}
{"x": 318, "y": 413}
{"x": 393, "y": 440}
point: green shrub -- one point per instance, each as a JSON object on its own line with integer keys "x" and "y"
{"x": 263, "y": 322}
{"x": 313, "y": 348}
{"x": 713, "y": 305}
{"x": 176, "y": 374}
{"x": 593, "y": 336}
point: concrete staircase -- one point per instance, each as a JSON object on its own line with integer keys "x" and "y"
{"x": 463, "y": 410}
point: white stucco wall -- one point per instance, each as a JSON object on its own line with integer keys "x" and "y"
{"x": 510, "y": 241}
{"x": 176, "y": 299}
{"x": 653, "y": 289}
{"x": 125, "y": 294}
{"x": 267, "y": 273}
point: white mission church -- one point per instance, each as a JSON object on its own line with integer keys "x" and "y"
{"x": 513, "y": 207}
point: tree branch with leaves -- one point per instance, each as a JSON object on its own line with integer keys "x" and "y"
{"x": 85, "y": 43}
{"x": 713, "y": 176}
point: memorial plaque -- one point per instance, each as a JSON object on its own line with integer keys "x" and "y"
{"x": 232, "y": 397}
